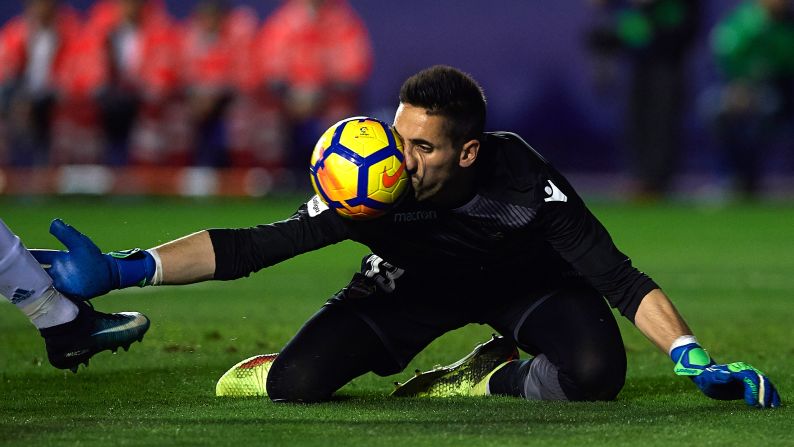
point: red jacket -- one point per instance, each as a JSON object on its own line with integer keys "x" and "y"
{"x": 312, "y": 51}
{"x": 155, "y": 70}
{"x": 14, "y": 48}
{"x": 225, "y": 62}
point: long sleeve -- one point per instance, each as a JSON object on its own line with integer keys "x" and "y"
{"x": 582, "y": 240}
{"x": 239, "y": 252}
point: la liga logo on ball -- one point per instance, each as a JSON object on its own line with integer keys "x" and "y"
{"x": 358, "y": 168}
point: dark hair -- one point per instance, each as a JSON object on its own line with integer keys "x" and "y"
{"x": 451, "y": 93}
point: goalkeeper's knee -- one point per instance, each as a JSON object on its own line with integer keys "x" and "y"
{"x": 597, "y": 378}
{"x": 291, "y": 383}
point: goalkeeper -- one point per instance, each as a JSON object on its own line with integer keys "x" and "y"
{"x": 491, "y": 233}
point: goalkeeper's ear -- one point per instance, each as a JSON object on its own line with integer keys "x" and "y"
{"x": 468, "y": 153}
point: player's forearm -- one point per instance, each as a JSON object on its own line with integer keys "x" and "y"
{"x": 658, "y": 319}
{"x": 187, "y": 260}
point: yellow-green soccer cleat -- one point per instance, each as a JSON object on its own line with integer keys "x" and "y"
{"x": 466, "y": 377}
{"x": 247, "y": 378}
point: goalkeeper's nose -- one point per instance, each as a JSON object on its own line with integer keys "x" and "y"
{"x": 410, "y": 160}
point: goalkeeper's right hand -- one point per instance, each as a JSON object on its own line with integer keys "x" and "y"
{"x": 84, "y": 272}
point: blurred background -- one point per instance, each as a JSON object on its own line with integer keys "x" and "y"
{"x": 641, "y": 100}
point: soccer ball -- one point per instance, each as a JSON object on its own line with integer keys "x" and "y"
{"x": 358, "y": 168}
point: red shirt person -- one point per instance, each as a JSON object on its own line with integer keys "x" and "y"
{"x": 135, "y": 43}
{"x": 34, "y": 53}
{"x": 216, "y": 47}
{"x": 313, "y": 56}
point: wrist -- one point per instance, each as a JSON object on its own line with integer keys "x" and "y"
{"x": 680, "y": 342}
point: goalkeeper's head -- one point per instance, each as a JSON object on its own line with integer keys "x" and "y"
{"x": 452, "y": 94}
{"x": 441, "y": 120}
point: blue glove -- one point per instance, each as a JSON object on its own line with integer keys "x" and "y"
{"x": 732, "y": 381}
{"x": 84, "y": 272}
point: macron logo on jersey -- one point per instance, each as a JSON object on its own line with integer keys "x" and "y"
{"x": 316, "y": 206}
{"x": 415, "y": 216}
{"x": 555, "y": 195}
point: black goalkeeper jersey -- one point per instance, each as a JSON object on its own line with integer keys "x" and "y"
{"x": 524, "y": 215}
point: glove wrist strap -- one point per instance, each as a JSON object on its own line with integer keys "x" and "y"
{"x": 681, "y": 341}
{"x": 689, "y": 357}
{"x": 134, "y": 267}
{"x": 157, "y": 278}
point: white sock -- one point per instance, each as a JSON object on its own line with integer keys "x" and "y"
{"x": 27, "y": 285}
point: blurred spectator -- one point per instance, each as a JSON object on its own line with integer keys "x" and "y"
{"x": 216, "y": 48}
{"x": 34, "y": 48}
{"x": 135, "y": 42}
{"x": 314, "y": 56}
{"x": 754, "y": 48}
{"x": 655, "y": 36}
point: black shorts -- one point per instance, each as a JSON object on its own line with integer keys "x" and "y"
{"x": 410, "y": 309}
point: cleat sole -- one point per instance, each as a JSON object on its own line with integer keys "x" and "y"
{"x": 418, "y": 383}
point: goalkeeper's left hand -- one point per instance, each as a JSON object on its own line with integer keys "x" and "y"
{"x": 730, "y": 381}
{"x": 84, "y": 272}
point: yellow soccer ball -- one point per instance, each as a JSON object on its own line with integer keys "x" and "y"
{"x": 358, "y": 168}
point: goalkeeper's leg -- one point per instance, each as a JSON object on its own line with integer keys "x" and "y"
{"x": 331, "y": 349}
{"x": 579, "y": 353}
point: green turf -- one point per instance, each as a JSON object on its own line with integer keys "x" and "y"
{"x": 728, "y": 269}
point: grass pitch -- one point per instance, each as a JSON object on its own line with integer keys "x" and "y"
{"x": 729, "y": 270}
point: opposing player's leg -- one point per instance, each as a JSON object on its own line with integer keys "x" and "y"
{"x": 27, "y": 285}
{"x": 73, "y": 331}
{"x": 579, "y": 353}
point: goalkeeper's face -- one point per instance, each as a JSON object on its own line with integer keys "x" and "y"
{"x": 435, "y": 165}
